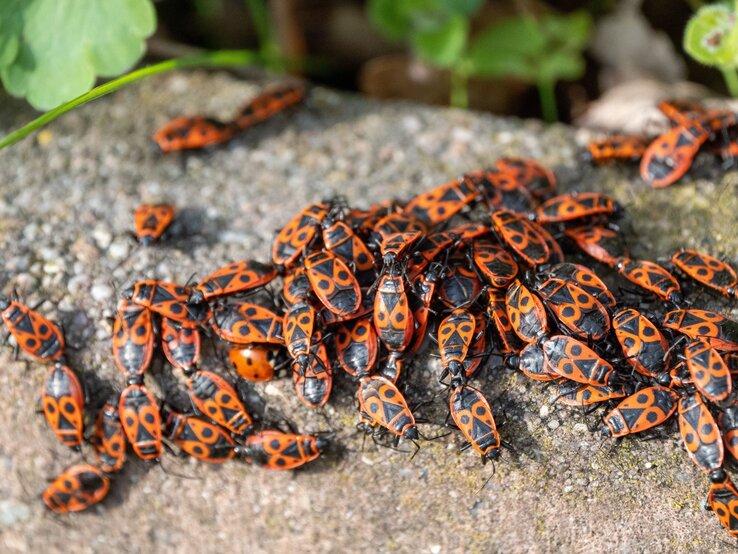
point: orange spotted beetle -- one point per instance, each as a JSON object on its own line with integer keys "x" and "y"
{"x": 526, "y": 313}
{"x": 63, "y": 402}
{"x": 568, "y": 207}
{"x": 455, "y": 335}
{"x": 268, "y": 104}
{"x": 700, "y": 433}
{"x": 151, "y": 220}
{"x": 708, "y": 271}
{"x": 192, "y": 133}
{"x": 277, "y": 450}
{"x": 628, "y": 148}
{"x": 356, "y": 346}
{"x": 642, "y": 410}
{"x": 244, "y": 323}
{"x": 723, "y": 500}
{"x": 141, "y": 421}
{"x": 109, "y": 439}
{"x": 382, "y": 403}
{"x": 169, "y": 300}
{"x": 473, "y": 416}
{"x": 133, "y": 340}
{"x": 218, "y": 400}
{"x": 199, "y": 438}
{"x": 601, "y": 243}
{"x": 234, "y": 278}
{"x": 652, "y": 278}
{"x": 181, "y": 345}
{"x": 333, "y": 283}
{"x": 643, "y": 345}
{"x": 574, "y": 360}
{"x": 76, "y": 489}
{"x": 518, "y": 233}
{"x": 717, "y": 330}
{"x": 40, "y": 338}
{"x": 710, "y": 373}
{"x": 298, "y": 233}
{"x": 254, "y": 362}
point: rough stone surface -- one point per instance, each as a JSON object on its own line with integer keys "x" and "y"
{"x": 66, "y": 203}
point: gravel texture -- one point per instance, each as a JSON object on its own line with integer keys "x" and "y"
{"x": 66, "y": 202}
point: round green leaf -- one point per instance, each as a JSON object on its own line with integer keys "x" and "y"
{"x": 710, "y": 36}
{"x": 442, "y": 46}
{"x": 66, "y": 44}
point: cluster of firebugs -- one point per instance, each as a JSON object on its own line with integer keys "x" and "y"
{"x": 474, "y": 267}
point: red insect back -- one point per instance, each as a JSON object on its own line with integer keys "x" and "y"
{"x": 709, "y": 371}
{"x": 716, "y": 330}
{"x": 526, "y": 313}
{"x": 708, "y": 271}
{"x": 268, "y": 104}
{"x": 518, "y": 234}
{"x": 314, "y": 382}
{"x": 570, "y": 207}
{"x": 356, "y": 346}
{"x": 455, "y": 336}
{"x": 700, "y": 433}
{"x": 218, "y": 400}
{"x": 723, "y": 499}
{"x": 141, "y": 421}
{"x": 333, "y": 283}
{"x": 627, "y": 148}
{"x": 63, "y": 403}
{"x": 244, "y": 323}
{"x": 651, "y": 277}
{"x": 192, "y": 133}
{"x": 644, "y": 346}
{"x": 574, "y": 360}
{"x": 254, "y": 362}
{"x": 601, "y": 243}
{"x": 670, "y": 156}
{"x": 277, "y": 450}
{"x": 473, "y": 416}
{"x": 199, "y": 438}
{"x": 109, "y": 439}
{"x": 34, "y": 334}
{"x": 76, "y": 489}
{"x": 181, "y": 345}
{"x": 382, "y": 403}
{"x": 151, "y": 220}
{"x": 442, "y": 203}
{"x": 234, "y": 278}
{"x": 297, "y": 234}
{"x": 576, "y": 309}
{"x": 641, "y": 411}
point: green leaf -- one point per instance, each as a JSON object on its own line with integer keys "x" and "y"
{"x": 711, "y": 37}
{"x": 66, "y": 44}
{"x": 545, "y": 49}
{"x": 389, "y": 18}
{"x": 442, "y": 46}
{"x": 11, "y": 25}
{"x": 560, "y": 65}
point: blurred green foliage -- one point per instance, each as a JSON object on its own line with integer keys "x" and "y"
{"x": 53, "y": 50}
{"x": 711, "y": 38}
{"x": 536, "y": 49}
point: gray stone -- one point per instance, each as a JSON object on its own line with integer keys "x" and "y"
{"x": 99, "y": 165}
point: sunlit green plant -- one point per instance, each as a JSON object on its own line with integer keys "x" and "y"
{"x": 711, "y": 38}
{"x": 536, "y": 49}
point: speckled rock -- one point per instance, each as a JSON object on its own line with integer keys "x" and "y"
{"x": 66, "y": 204}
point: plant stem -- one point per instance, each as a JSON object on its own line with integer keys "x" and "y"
{"x": 547, "y": 94}
{"x": 218, "y": 58}
{"x": 267, "y": 45}
{"x": 459, "y": 89}
{"x": 731, "y": 80}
